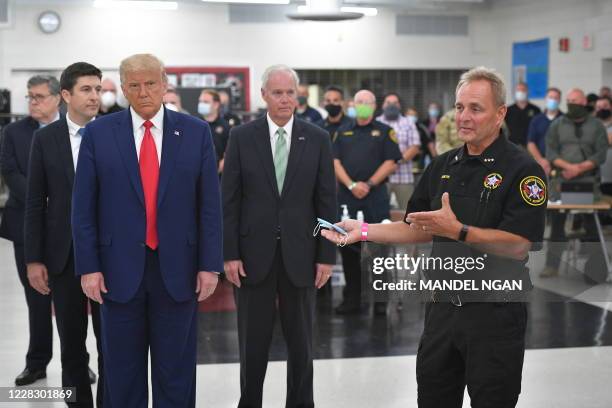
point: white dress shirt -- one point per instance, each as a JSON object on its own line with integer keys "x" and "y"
{"x": 75, "y": 139}
{"x": 273, "y": 136}
{"x": 156, "y": 130}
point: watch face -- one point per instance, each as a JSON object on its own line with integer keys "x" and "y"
{"x": 49, "y": 22}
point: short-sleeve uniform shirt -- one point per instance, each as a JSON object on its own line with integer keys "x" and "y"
{"x": 503, "y": 188}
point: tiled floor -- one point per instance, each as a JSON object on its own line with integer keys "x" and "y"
{"x": 363, "y": 361}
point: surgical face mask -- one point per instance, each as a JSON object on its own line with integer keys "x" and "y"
{"x": 575, "y": 111}
{"x": 351, "y": 112}
{"x": 333, "y": 110}
{"x": 302, "y": 100}
{"x": 172, "y": 107}
{"x": 552, "y": 104}
{"x": 391, "y": 111}
{"x": 412, "y": 119}
{"x": 364, "y": 111}
{"x": 520, "y": 96}
{"x": 434, "y": 113}
{"x": 204, "y": 108}
{"x": 108, "y": 99}
{"x": 604, "y": 114}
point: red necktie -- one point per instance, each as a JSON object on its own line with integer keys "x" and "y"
{"x": 149, "y": 174}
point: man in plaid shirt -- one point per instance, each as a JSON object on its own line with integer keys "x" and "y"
{"x": 402, "y": 181}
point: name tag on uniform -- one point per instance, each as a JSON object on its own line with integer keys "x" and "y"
{"x": 376, "y": 133}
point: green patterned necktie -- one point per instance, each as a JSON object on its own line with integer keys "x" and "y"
{"x": 280, "y": 158}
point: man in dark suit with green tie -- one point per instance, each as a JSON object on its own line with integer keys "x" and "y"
{"x": 278, "y": 179}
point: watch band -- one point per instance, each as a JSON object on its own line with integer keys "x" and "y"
{"x": 370, "y": 183}
{"x": 463, "y": 233}
{"x": 364, "y": 231}
{"x": 352, "y": 186}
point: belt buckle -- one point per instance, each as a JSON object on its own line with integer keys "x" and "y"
{"x": 456, "y": 300}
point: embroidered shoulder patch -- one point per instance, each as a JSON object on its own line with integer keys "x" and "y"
{"x": 533, "y": 190}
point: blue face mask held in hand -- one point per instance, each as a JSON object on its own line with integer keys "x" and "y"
{"x": 321, "y": 223}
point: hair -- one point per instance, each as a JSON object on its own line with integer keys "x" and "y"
{"x": 523, "y": 84}
{"x": 399, "y": 98}
{"x": 74, "y": 71}
{"x": 141, "y": 62}
{"x": 486, "y": 74}
{"x": 214, "y": 94}
{"x": 49, "y": 80}
{"x": 605, "y": 98}
{"x": 554, "y": 89}
{"x": 592, "y": 97}
{"x": 279, "y": 68}
{"x": 335, "y": 88}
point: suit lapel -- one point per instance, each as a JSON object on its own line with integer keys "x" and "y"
{"x": 298, "y": 141}
{"x": 171, "y": 141}
{"x": 62, "y": 140}
{"x": 124, "y": 136}
{"x": 264, "y": 149}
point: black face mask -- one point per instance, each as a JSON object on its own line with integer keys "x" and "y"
{"x": 302, "y": 100}
{"x": 604, "y": 114}
{"x": 333, "y": 110}
{"x": 391, "y": 112}
{"x": 575, "y": 111}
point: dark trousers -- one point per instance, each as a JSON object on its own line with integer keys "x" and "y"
{"x": 351, "y": 266}
{"x": 40, "y": 348}
{"x": 257, "y": 306}
{"x": 557, "y": 236}
{"x": 153, "y": 320}
{"x": 480, "y": 345}
{"x": 72, "y": 317}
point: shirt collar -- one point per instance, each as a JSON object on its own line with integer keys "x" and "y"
{"x": 73, "y": 128}
{"x": 274, "y": 127}
{"x": 42, "y": 125}
{"x": 487, "y": 157}
{"x": 157, "y": 120}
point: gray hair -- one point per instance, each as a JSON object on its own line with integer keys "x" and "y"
{"x": 486, "y": 74}
{"x": 141, "y": 62}
{"x": 49, "y": 80}
{"x": 278, "y": 68}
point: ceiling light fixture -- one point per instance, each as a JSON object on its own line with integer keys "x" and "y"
{"x": 248, "y": 1}
{"x": 136, "y": 5}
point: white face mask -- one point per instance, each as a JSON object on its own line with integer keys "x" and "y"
{"x": 204, "y": 108}
{"x": 172, "y": 107}
{"x": 520, "y": 96}
{"x": 412, "y": 119}
{"x": 108, "y": 99}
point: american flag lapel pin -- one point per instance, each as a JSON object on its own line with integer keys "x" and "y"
{"x": 301, "y": 138}
{"x": 177, "y": 133}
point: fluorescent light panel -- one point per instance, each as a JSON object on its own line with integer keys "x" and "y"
{"x": 366, "y": 11}
{"x": 249, "y": 1}
{"x": 136, "y": 4}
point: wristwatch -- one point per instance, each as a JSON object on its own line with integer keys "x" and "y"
{"x": 370, "y": 183}
{"x": 463, "y": 233}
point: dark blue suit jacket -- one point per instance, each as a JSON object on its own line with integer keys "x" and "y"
{"x": 108, "y": 216}
{"x": 14, "y": 155}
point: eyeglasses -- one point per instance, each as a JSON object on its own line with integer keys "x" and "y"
{"x": 36, "y": 98}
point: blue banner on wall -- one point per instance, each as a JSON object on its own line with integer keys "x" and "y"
{"x": 530, "y": 65}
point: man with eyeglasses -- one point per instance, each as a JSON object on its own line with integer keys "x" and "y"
{"x": 43, "y": 105}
